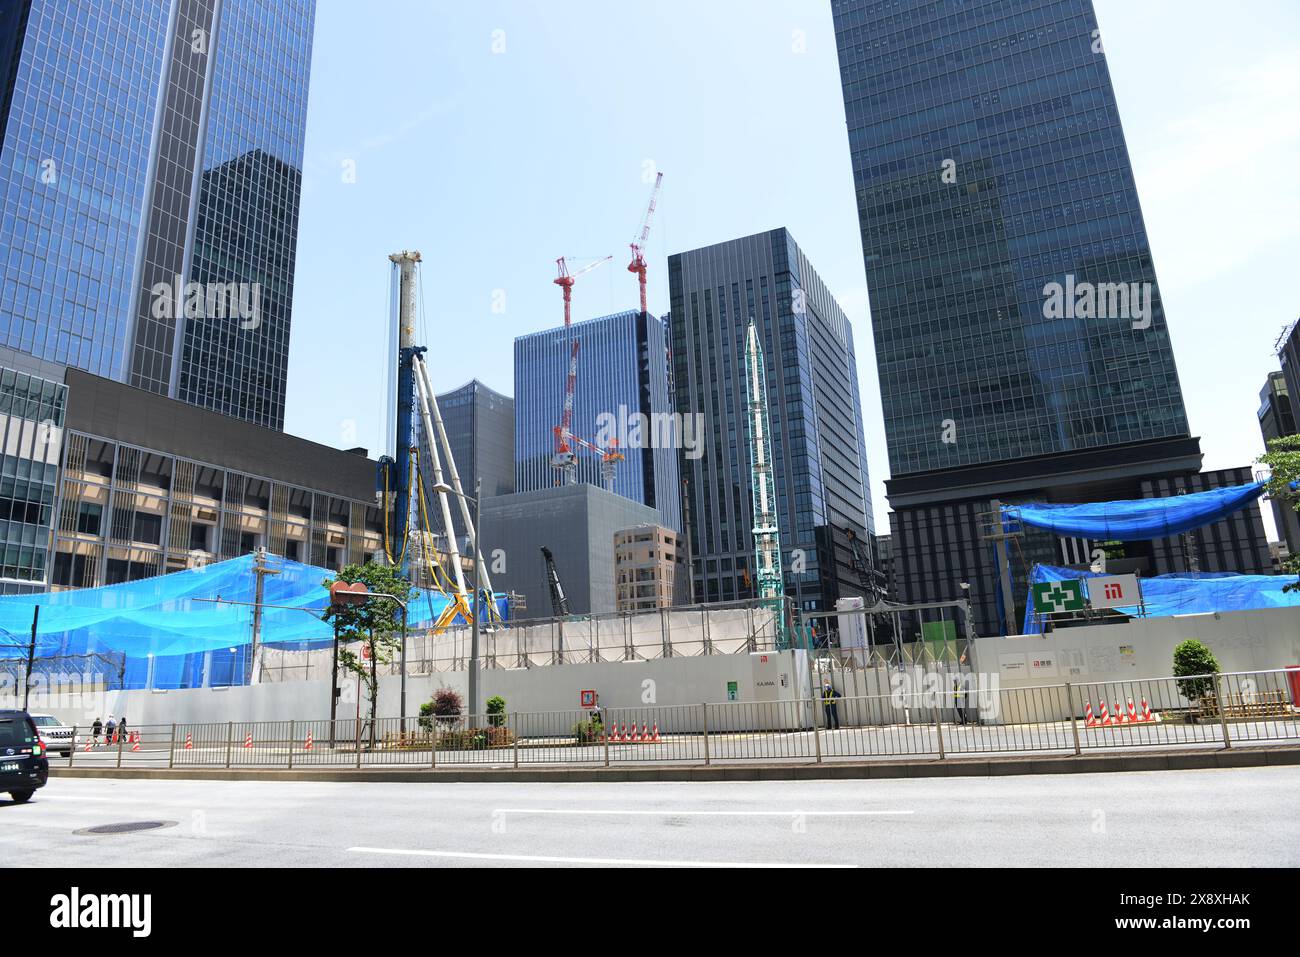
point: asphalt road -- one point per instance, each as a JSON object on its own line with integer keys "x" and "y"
{"x": 1167, "y": 818}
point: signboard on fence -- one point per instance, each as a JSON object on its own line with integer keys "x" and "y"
{"x": 1052, "y": 597}
{"x": 588, "y": 698}
{"x": 1114, "y": 591}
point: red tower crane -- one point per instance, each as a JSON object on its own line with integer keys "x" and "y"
{"x": 638, "y": 264}
{"x": 564, "y": 459}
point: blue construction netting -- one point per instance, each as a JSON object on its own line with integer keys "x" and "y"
{"x": 159, "y": 618}
{"x": 1183, "y": 593}
{"x": 1136, "y": 519}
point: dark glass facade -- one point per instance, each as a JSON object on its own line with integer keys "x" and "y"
{"x": 989, "y": 163}
{"x": 819, "y": 454}
{"x": 1020, "y": 338}
{"x": 145, "y": 143}
{"x": 480, "y": 426}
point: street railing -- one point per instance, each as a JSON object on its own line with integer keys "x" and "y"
{"x": 938, "y": 720}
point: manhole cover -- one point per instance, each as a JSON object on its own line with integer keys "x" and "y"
{"x": 126, "y": 827}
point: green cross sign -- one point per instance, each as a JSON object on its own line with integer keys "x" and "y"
{"x": 1058, "y": 596}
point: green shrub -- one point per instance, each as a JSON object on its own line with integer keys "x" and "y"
{"x": 475, "y": 739}
{"x": 496, "y": 711}
{"x": 585, "y": 732}
{"x": 1192, "y": 661}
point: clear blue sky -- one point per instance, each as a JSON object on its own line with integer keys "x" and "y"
{"x": 495, "y": 163}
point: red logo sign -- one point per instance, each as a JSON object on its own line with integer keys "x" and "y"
{"x": 1113, "y": 590}
{"x": 588, "y": 699}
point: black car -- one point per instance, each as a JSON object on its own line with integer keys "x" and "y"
{"x": 23, "y": 765}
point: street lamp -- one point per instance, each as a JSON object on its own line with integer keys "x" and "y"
{"x": 477, "y": 499}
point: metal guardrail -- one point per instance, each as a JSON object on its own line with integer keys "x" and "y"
{"x": 1224, "y": 710}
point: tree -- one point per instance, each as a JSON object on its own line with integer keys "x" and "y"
{"x": 1193, "y": 662}
{"x": 496, "y": 711}
{"x": 1283, "y": 460}
{"x": 377, "y": 622}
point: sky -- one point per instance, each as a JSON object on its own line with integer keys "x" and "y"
{"x": 495, "y": 136}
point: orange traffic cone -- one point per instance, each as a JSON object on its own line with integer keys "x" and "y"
{"x": 189, "y": 740}
{"x": 1090, "y": 720}
{"x": 1132, "y": 712}
{"x": 654, "y": 733}
{"x": 135, "y": 742}
{"x": 248, "y": 740}
{"x": 89, "y": 743}
{"x": 636, "y": 735}
{"x": 308, "y": 746}
{"x": 1146, "y": 711}
{"x": 1105, "y": 713}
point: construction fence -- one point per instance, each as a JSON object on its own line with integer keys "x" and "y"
{"x": 732, "y": 629}
{"x": 1223, "y": 711}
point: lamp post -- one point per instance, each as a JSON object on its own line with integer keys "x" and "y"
{"x": 477, "y": 499}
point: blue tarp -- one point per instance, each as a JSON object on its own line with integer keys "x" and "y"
{"x": 1184, "y": 593}
{"x": 1136, "y": 519}
{"x": 159, "y": 616}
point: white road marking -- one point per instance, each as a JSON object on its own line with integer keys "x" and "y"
{"x": 671, "y": 813}
{"x": 605, "y": 861}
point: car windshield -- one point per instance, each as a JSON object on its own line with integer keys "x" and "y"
{"x": 45, "y": 721}
{"x": 15, "y": 732}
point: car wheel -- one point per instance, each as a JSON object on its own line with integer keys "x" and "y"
{"x": 21, "y": 797}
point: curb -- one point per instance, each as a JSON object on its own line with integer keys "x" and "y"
{"x": 863, "y": 770}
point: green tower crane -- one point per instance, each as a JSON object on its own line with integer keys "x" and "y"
{"x": 767, "y": 535}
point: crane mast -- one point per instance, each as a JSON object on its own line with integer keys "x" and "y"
{"x": 767, "y": 535}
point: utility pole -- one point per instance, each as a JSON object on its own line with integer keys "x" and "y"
{"x": 478, "y": 579}
{"x": 686, "y": 533}
{"x": 261, "y": 570}
{"x": 31, "y": 657}
{"x": 999, "y": 536}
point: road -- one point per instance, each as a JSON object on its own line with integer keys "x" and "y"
{"x": 1167, "y": 818}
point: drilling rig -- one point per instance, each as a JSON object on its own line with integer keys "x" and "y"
{"x": 401, "y": 475}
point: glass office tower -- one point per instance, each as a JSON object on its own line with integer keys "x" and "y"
{"x": 819, "y": 453}
{"x": 622, "y": 375}
{"x": 1020, "y": 336}
{"x": 149, "y": 146}
{"x": 480, "y": 424}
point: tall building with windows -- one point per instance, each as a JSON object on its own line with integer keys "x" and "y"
{"x": 1020, "y": 333}
{"x": 622, "y": 393}
{"x": 480, "y": 426}
{"x": 150, "y": 173}
{"x": 818, "y": 449}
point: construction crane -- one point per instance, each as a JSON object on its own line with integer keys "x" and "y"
{"x": 559, "y": 602}
{"x": 767, "y": 534}
{"x": 638, "y": 264}
{"x": 564, "y": 460}
{"x": 609, "y": 458}
{"x": 566, "y": 280}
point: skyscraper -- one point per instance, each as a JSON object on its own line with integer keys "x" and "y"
{"x": 150, "y": 164}
{"x": 818, "y": 451}
{"x": 149, "y": 185}
{"x": 622, "y": 393}
{"x": 1020, "y": 334}
{"x": 480, "y": 426}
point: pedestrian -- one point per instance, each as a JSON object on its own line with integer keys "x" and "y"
{"x": 121, "y": 727}
{"x": 110, "y": 731}
{"x": 959, "y": 699}
{"x": 96, "y": 730}
{"x": 829, "y": 694}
